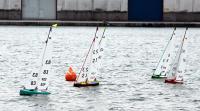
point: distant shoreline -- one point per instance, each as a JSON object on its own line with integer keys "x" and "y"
{"x": 99, "y": 23}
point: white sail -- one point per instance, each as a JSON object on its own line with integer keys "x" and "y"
{"x": 39, "y": 76}
{"x": 166, "y": 59}
{"x": 32, "y": 84}
{"x": 94, "y": 59}
{"x": 85, "y": 70}
{"x": 178, "y": 68}
{"x": 46, "y": 66}
{"x": 35, "y": 74}
{"x": 97, "y": 54}
{"x": 172, "y": 73}
{"x": 182, "y": 66}
{"x": 101, "y": 46}
{"x": 91, "y": 66}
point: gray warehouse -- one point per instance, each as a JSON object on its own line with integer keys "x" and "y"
{"x": 111, "y": 10}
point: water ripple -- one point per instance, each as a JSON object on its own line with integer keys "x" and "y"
{"x": 130, "y": 55}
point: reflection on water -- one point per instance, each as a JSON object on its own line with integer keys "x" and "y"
{"x": 130, "y": 55}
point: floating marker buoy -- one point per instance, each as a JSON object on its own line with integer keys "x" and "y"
{"x": 70, "y": 75}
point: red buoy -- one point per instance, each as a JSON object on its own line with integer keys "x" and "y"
{"x": 70, "y": 75}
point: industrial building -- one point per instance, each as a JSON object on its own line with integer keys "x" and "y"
{"x": 96, "y": 10}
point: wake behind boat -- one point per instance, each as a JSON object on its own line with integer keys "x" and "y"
{"x": 39, "y": 78}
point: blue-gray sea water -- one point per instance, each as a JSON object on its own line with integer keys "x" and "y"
{"x": 125, "y": 75}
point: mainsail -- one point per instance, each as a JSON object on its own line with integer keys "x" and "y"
{"x": 34, "y": 80}
{"x": 39, "y": 77}
{"x": 97, "y": 53}
{"x": 178, "y": 68}
{"x": 166, "y": 59}
{"x": 91, "y": 64}
{"x": 46, "y": 65}
{"x": 181, "y": 66}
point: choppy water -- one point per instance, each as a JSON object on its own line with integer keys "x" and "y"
{"x": 126, "y": 84}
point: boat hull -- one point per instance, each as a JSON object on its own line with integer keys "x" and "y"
{"x": 173, "y": 81}
{"x": 30, "y": 92}
{"x": 158, "y": 77}
{"x": 84, "y": 84}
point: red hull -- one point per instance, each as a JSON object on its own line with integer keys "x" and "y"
{"x": 173, "y": 81}
{"x": 70, "y": 75}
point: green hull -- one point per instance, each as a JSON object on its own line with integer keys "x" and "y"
{"x": 84, "y": 84}
{"x": 30, "y": 92}
{"x": 158, "y": 77}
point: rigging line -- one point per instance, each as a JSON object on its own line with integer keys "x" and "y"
{"x": 88, "y": 53}
{"x": 46, "y": 44}
{"x": 180, "y": 49}
{"x": 165, "y": 48}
